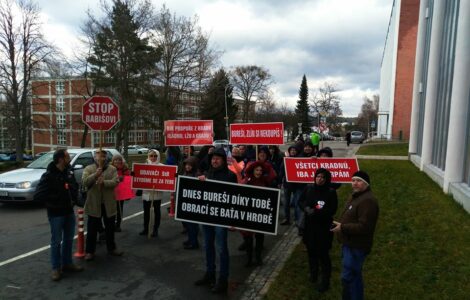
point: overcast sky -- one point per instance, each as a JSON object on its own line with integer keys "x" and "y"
{"x": 339, "y": 41}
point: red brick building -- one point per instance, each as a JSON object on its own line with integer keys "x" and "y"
{"x": 397, "y": 71}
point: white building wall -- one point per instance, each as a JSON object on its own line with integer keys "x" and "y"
{"x": 388, "y": 74}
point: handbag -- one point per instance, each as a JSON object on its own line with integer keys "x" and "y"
{"x": 82, "y": 194}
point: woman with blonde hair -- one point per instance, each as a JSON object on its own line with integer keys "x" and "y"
{"x": 151, "y": 199}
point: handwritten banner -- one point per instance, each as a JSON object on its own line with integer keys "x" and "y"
{"x": 225, "y": 204}
{"x": 187, "y": 133}
{"x": 300, "y": 169}
{"x": 154, "y": 177}
{"x": 257, "y": 133}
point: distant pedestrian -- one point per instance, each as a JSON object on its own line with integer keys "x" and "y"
{"x": 215, "y": 235}
{"x": 355, "y": 231}
{"x": 59, "y": 191}
{"x": 123, "y": 191}
{"x": 348, "y": 138}
{"x": 100, "y": 179}
{"x": 319, "y": 203}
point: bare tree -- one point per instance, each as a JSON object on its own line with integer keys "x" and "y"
{"x": 187, "y": 58}
{"x": 23, "y": 54}
{"x": 249, "y": 83}
{"x": 368, "y": 113}
{"x": 326, "y": 103}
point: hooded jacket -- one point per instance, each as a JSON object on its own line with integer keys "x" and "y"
{"x": 58, "y": 190}
{"x": 266, "y": 178}
{"x": 222, "y": 173}
{"x": 319, "y": 204}
{"x": 193, "y": 161}
{"x": 153, "y": 195}
{"x": 98, "y": 194}
{"x": 282, "y": 175}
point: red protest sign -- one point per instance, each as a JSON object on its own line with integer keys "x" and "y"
{"x": 100, "y": 113}
{"x": 154, "y": 177}
{"x": 299, "y": 169}
{"x": 187, "y": 133}
{"x": 257, "y": 133}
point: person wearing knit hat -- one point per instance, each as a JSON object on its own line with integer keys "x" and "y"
{"x": 355, "y": 231}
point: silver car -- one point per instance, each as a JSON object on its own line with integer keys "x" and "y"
{"x": 19, "y": 185}
{"x": 357, "y": 137}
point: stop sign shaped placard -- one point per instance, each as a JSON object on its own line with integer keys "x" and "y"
{"x": 100, "y": 113}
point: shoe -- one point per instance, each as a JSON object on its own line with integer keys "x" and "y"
{"x": 101, "y": 236}
{"x": 285, "y": 222}
{"x": 208, "y": 279}
{"x": 323, "y": 287}
{"x": 154, "y": 234}
{"x": 89, "y": 257}
{"x": 117, "y": 229}
{"x": 72, "y": 268}
{"x": 56, "y": 276}
{"x": 313, "y": 278}
{"x": 242, "y": 247}
{"x": 186, "y": 243}
{"x": 220, "y": 287}
{"x": 143, "y": 232}
{"x": 115, "y": 253}
{"x": 258, "y": 262}
{"x": 191, "y": 247}
{"x": 248, "y": 264}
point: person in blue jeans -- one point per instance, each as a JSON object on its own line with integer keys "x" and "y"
{"x": 214, "y": 235}
{"x": 58, "y": 189}
{"x": 356, "y": 232}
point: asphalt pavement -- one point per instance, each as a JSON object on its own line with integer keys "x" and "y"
{"x": 157, "y": 268}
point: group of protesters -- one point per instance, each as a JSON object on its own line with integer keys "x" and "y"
{"x": 314, "y": 208}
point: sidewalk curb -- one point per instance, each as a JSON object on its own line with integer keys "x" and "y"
{"x": 260, "y": 280}
{"x": 382, "y": 157}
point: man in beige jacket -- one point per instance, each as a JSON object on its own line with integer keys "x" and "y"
{"x": 100, "y": 179}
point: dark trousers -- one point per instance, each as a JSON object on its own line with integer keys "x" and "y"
{"x": 351, "y": 275}
{"x": 258, "y": 248}
{"x": 156, "y": 210}
{"x": 319, "y": 259}
{"x": 120, "y": 212}
{"x": 93, "y": 227}
{"x": 193, "y": 230}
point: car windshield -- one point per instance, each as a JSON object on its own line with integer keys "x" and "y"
{"x": 43, "y": 161}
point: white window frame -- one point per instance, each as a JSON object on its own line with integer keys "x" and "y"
{"x": 60, "y": 103}
{"x": 61, "y": 137}
{"x": 59, "y": 87}
{"x": 61, "y": 121}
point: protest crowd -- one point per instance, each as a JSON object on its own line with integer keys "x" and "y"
{"x": 311, "y": 207}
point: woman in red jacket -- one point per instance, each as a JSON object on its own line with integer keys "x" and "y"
{"x": 258, "y": 174}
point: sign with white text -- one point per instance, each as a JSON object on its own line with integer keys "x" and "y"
{"x": 257, "y": 133}
{"x": 154, "y": 177}
{"x": 302, "y": 169}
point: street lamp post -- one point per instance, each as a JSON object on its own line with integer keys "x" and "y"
{"x": 226, "y": 111}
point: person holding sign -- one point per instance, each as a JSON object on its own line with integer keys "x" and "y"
{"x": 214, "y": 235}
{"x": 256, "y": 174}
{"x": 101, "y": 179}
{"x": 152, "y": 199}
{"x": 190, "y": 169}
{"x": 319, "y": 203}
{"x": 123, "y": 191}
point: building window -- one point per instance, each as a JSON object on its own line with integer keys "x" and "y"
{"x": 444, "y": 86}
{"x": 110, "y": 138}
{"x": 59, "y": 103}
{"x": 131, "y": 137}
{"x": 140, "y": 136}
{"x": 59, "y": 88}
{"x": 140, "y": 122}
{"x": 96, "y": 138}
{"x": 60, "y": 121}
{"x": 61, "y": 138}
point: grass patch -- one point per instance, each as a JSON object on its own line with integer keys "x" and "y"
{"x": 421, "y": 246}
{"x": 395, "y": 149}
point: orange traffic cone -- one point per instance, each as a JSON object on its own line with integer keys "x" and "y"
{"x": 81, "y": 236}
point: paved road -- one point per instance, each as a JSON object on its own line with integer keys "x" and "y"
{"x": 150, "y": 269}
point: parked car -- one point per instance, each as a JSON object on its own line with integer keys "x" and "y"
{"x": 221, "y": 143}
{"x": 39, "y": 154}
{"x": 357, "y": 137}
{"x": 4, "y": 157}
{"x": 136, "y": 149}
{"x": 25, "y": 157}
{"x": 19, "y": 185}
{"x": 155, "y": 146}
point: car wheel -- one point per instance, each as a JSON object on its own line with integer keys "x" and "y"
{"x": 140, "y": 152}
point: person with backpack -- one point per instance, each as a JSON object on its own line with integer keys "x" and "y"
{"x": 58, "y": 189}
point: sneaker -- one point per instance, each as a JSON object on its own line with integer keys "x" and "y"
{"x": 89, "y": 257}
{"x": 285, "y": 222}
{"x": 56, "y": 276}
{"x": 208, "y": 279}
{"x": 72, "y": 268}
{"x": 221, "y": 287}
{"x": 115, "y": 253}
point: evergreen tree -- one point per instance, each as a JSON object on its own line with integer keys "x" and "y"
{"x": 302, "y": 109}
{"x": 213, "y": 103}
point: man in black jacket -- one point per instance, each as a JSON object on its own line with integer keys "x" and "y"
{"x": 58, "y": 190}
{"x": 217, "y": 171}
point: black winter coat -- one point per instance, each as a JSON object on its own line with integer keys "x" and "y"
{"x": 322, "y": 203}
{"x": 58, "y": 190}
